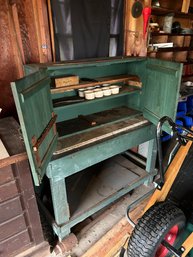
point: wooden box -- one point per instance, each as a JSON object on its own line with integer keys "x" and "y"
{"x": 20, "y": 227}
{"x": 66, "y": 81}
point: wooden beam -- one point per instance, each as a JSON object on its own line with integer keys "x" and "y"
{"x": 18, "y": 31}
{"x": 12, "y": 159}
{"x": 51, "y": 30}
{"x": 15, "y": 44}
{"x": 188, "y": 245}
{"x": 110, "y": 243}
{"x": 171, "y": 174}
{"x": 42, "y": 30}
{"x": 185, "y": 6}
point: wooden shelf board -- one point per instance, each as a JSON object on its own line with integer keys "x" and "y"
{"x": 169, "y": 34}
{"x": 163, "y": 11}
{"x": 99, "y": 81}
{"x": 172, "y": 49}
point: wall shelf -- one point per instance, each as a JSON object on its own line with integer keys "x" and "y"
{"x": 175, "y": 49}
{"x": 169, "y": 34}
{"x": 159, "y": 11}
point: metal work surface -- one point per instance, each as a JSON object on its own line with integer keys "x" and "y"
{"x": 88, "y": 132}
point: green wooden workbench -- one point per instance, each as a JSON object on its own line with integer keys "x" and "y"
{"x": 58, "y": 142}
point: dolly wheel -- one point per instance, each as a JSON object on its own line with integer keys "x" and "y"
{"x": 163, "y": 221}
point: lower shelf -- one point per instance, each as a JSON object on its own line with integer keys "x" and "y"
{"x": 111, "y": 176}
{"x": 108, "y": 181}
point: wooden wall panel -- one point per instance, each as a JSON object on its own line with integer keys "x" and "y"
{"x": 24, "y": 38}
{"x": 20, "y": 226}
{"x": 8, "y": 68}
{"x": 12, "y": 244}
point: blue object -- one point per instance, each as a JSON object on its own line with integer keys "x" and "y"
{"x": 187, "y": 121}
{"x": 190, "y": 104}
{"x": 182, "y": 106}
{"x": 184, "y": 117}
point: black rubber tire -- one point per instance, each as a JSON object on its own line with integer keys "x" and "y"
{"x": 152, "y": 229}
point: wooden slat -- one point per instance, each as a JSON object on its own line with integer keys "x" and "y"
{"x": 18, "y": 32}
{"x": 110, "y": 243}
{"x": 188, "y": 244}
{"x": 29, "y": 200}
{"x": 12, "y": 244}
{"x": 6, "y": 175}
{"x": 185, "y": 6}
{"x": 8, "y": 191}
{"x": 12, "y": 227}
{"x": 37, "y": 29}
{"x": 104, "y": 80}
{"x": 42, "y": 249}
{"x": 10, "y": 209}
{"x": 13, "y": 159}
{"x": 41, "y": 29}
{"x": 16, "y": 49}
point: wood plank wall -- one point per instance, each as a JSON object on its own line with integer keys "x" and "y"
{"x": 24, "y": 38}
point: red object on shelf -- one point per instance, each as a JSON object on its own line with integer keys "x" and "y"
{"x": 146, "y": 15}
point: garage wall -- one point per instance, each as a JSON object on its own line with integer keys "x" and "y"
{"x": 24, "y": 38}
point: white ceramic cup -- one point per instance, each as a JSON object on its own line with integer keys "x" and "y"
{"x": 114, "y": 89}
{"x": 106, "y": 91}
{"x": 98, "y": 93}
{"x": 89, "y": 94}
{"x": 81, "y": 92}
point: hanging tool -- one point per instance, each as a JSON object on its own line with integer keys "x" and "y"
{"x": 146, "y": 16}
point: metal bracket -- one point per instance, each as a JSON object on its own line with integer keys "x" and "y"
{"x": 36, "y": 143}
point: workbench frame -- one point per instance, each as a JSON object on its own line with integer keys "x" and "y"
{"x": 157, "y": 97}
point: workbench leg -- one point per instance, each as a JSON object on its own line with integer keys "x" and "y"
{"x": 151, "y": 158}
{"x": 59, "y": 199}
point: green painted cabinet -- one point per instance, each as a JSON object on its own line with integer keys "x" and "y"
{"x": 59, "y": 144}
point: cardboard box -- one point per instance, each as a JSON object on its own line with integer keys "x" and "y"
{"x": 66, "y": 81}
